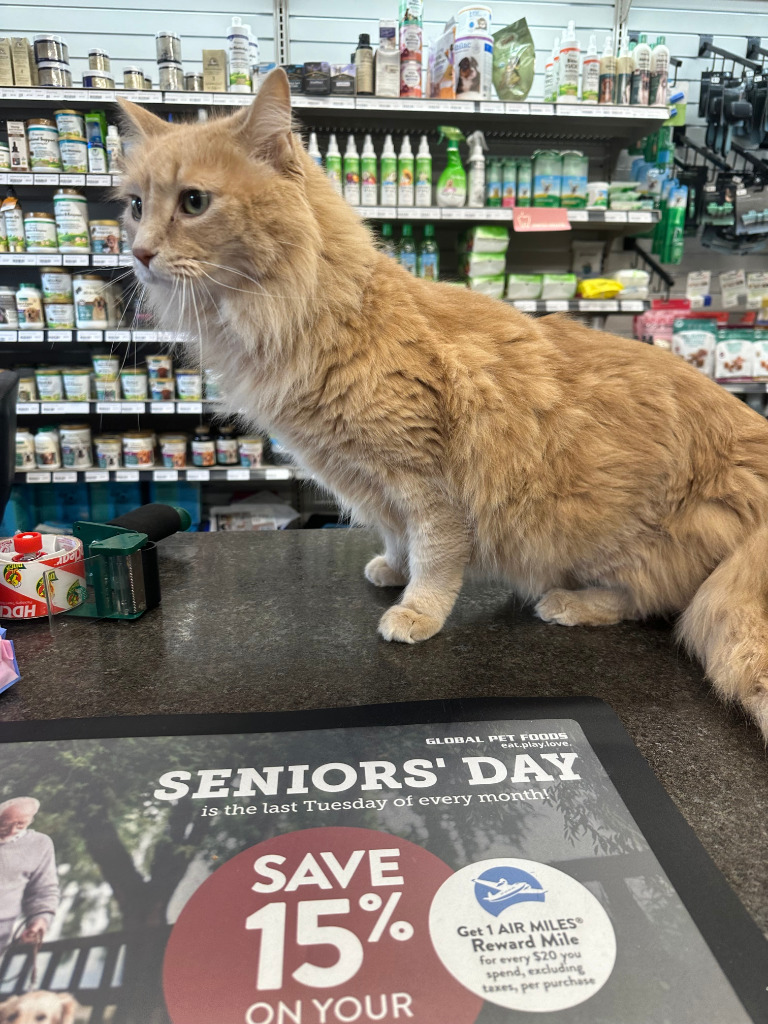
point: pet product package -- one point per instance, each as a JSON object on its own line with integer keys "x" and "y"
{"x": 492, "y": 286}
{"x": 514, "y": 60}
{"x": 734, "y": 356}
{"x": 442, "y": 84}
{"x": 523, "y": 286}
{"x": 558, "y": 286}
{"x": 388, "y": 60}
{"x": 760, "y": 356}
{"x": 695, "y": 341}
{"x": 484, "y": 264}
{"x": 486, "y": 238}
{"x": 473, "y": 67}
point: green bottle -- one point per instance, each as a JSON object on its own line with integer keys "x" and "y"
{"x": 408, "y": 249}
{"x": 452, "y": 183}
{"x": 352, "y": 173}
{"x": 333, "y": 164}
{"x": 388, "y": 173}
{"x": 424, "y": 174}
{"x": 388, "y": 241}
{"x": 428, "y": 262}
{"x": 493, "y": 183}
{"x": 369, "y": 190}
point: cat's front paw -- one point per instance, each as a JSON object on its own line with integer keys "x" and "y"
{"x": 407, "y": 626}
{"x": 381, "y": 574}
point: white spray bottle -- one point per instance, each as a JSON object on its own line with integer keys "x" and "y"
{"x": 424, "y": 174}
{"x": 388, "y": 173}
{"x": 314, "y": 150}
{"x": 570, "y": 60}
{"x": 590, "y": 73}
{"x": 476, "y": 188}
{"x": 552, "y": 98}
{"x": 333, "y": 165}
{"x": 239, "y": 57}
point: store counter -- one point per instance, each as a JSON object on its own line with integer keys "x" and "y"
{"x": 275, "y": 622}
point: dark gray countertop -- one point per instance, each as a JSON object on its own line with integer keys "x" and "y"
{"x": 286, "y": 621}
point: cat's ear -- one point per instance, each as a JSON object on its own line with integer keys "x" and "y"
{"x": 264, "y": 128}
{"x": 142, "y": 122}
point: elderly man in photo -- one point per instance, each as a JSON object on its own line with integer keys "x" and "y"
{"x": 29, "y": 885}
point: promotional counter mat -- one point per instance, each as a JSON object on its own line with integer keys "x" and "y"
{"x": 445, "y": 862}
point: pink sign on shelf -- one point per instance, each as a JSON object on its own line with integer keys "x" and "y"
{"x": 540, "y": 219}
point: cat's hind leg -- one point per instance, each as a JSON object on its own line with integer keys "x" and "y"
{"x": 593, "y": 606}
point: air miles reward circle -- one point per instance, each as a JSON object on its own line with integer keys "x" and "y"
{"x": 522, "y": 935}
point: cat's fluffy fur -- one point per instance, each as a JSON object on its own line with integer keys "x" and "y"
{"x": 601, "y": 478}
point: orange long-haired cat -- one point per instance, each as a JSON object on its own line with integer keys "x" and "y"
{"x": 598, "y": 477}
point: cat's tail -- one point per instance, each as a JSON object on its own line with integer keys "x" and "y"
{"x": 726, "y": 626}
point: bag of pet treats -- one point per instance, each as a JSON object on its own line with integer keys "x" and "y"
{"x": 694, "y": 341}
{"x": 734, "y": 356}
{"x": 514, "y": 60}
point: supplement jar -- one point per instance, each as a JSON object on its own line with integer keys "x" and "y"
{"x": 49, "y": 384}
{"x": 139, "y": 448}
{"x": 9, "y": 317}
{"x": 171, "y": 77}
{"x": 133, "y": 78}
{"x": 47, "y": 448}
{"x": 160, "y": 367}
{"x": 251, "y": 449}
{"x": 134, "y": 384}
{"x": 77, "y": 383}
{"x": 74, "y": 156}
{"x": 29, "y": 304}
{"x": 203, "y": 448}
{"x": 168, "y": 47}
{"x": 43, "y": 141}
{"x": 54, "y": 75}
{"x": 70, "y": 124}
{"x": 98, "y": 60}
{"x": 70, "y": 208}
{"x": 162, "y": 389}
{"x": 76, "y": 446}
{"x": 173, "y": 448}
{"x": 189, "y": 385}
{"x": 25, "y": 449}
{"x": 105, "y": 237}
{"x": 40, "y": 232}
{"x": 109, "y": 449}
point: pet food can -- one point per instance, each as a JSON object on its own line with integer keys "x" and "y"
{"x": 43, "y": 142}
{"x": 76, "y": 450}
{"x": 147, "y": 83}
{"x": 40, "y": 229}
{"x": 98, "y": 60}
{"x": 134, "y": 384}
{"x": 105, "y": 237}
{"x": 106, "y": 365}
{"x": 474, "y": 21}
{"x": 9, "y": 316}
{"x": 473, "y": 67}
{"x": 173, "y": 449}
{"x": 251, "y": 450}
{"x": 25, "y": 449}
{"x": 162, "y": 389}
{"x": 49, "y": 384}
{"x": 47, "y": 48}
{"x": 59, "y": 316}
{"x": 74, "y": 155}
{"x": 547, "y": 177}
{"x": 70, "y": 208}
{"x": 107, "y": 389}
{"x": 193, "y": 82}
{"x": 70, "y": 124}
{"x": 109, "y": 449}
{"x": 573, "y": 192}
{"x": 57, "y": 284}
{"x": 597, "y": 195}
{"x": 170, "y": 76}
{"x": 54, "y": 75}
{"x": 160, "y": 367}
{"x": 77, "y": 383}
{"x": 29, "y": 304}
{"x": 168, "y": 47}
{"x": 133, "y": 78}
{"x": 189, "y": 385}
{"x": 410, "y": 78}
{"x": 94, "y": 303}
{"x": 98, "y": 80}
{"x": 5, "y": 157}
{"x": 138, "y": 448}
{"x": 27, "y": 391}
{"x": 47, "y": 448}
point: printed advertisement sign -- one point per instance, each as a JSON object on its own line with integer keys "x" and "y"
{"x": 478, "y": 871}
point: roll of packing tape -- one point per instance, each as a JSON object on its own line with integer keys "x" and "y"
{"x": 22, "y": 591}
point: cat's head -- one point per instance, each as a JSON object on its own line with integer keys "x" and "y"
{"x": 220, "y": 208}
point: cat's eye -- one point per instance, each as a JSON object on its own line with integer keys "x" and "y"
{"x": 135, "y": 207}
{"x": 194, "y": 201}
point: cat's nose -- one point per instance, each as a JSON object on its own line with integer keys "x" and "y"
{"x": 143, "y": 255}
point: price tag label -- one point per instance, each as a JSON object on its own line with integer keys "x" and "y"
{"x": 556, "y": 305}
{"x": 32, "y": 335}
{"x": 38, "y": 478}
{"x": 58, "y": 408}
{"x": 20, "y": 259}
{"x": 421, "y": 213}
{"x": 117, "y": 335}
{"x": 96, "y": 476}
{"x": 144, "y": 335}
{"x": 459, "y": 106}
{"x": 126, "y": 476}
{"x": 198, "y": 474}
{"x": 194, "y": 407}
{"x": 526, "y": 305}
{"x": 577, "y": 216}
{"x": 491, "y": 107}
{"x": 516, "y": 108}
{"x": 141, "y": 97}
{"x": 199, "y": 99}
{"x": 90, "y": 335}
{"x": 238, "y": 474}
{"x": 117, "y": 179}
{"x": 27, "y": 408}
{"x": 277, "y": 473}
{"x": 615, "y": 217}
{"x": 364, "y": 103}
{"x": 542, "y": 109}
{"x": 461, "y": 213}
{"x": 4, "y": 177}
{"x": 640, "y": 216}
{"x": 179, "y": 97}
{"x": 59, "y": 335}
{"x": 104, "y": 261}
{"x": 165, "y": 475}
{"x": 496, "y": 214}
{"x": 67, "y": 95}
{"x": 125, "y": 259}
{"x": 162, "y": 407}
{"x": 102, "y": 180}
{"x": 598, "y": 306}
{"x": 569, "y": 110}
{"x": 108, "y": 407}
{"x": 7, "y": 335}
{"x": 46, "y": 179}
{"x": 65, "y": 477}
{"x": 51, "y": 259}
{"x": 71, "y": 179}
{"x": 132, "y": 407}
{"x": 632, "y": 305}
{"x": 76, "y": 260}
{"x": 101, "y": 95}
{"x": 20, "y": 179}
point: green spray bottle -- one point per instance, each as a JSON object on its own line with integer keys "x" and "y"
{"x": 333, "y": 164}
{"x": 452, "y": 183}
{"x": 388, "y": 173}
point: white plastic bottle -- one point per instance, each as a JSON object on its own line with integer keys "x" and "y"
{"x": 641, "y": 75}
{"x": 476, "y": 184}
{"x": 549, "y": 72}
{"x": 369, "y": 174}
{"x": 239, "y": 57}
{"x": 388, "y": 173}
{"x": 660, "y": 73}
{"x": 555, "y": 71}
{"x": 405, "y": 174}
{"x": 333, "y": 165}
{"x": 352, "y": 172}
{"x": 114, "y": 149}
{"x": 570, "y": 61}
{"x": 314, "y": 150}
{"x": 590, "y": 73}
{"x": 424, "y": 173}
